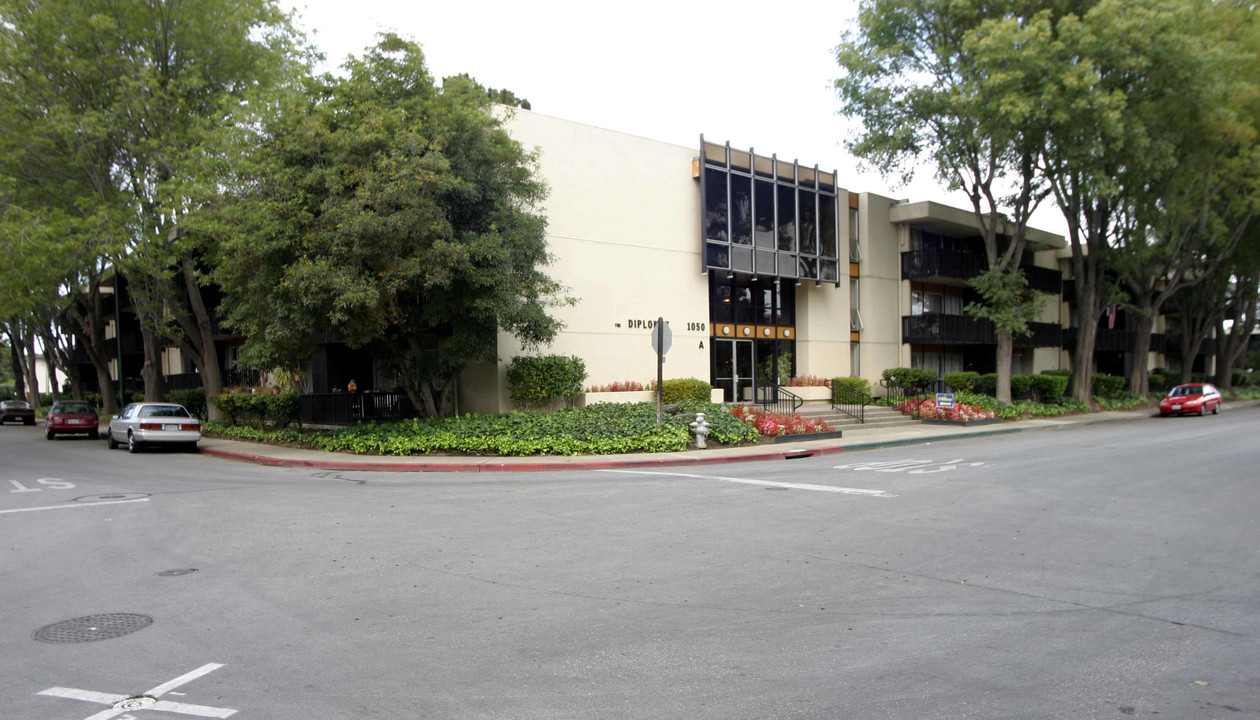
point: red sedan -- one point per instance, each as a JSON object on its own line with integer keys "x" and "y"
{"x": 71, "y": 416}
{"x": 1197, "y": 398}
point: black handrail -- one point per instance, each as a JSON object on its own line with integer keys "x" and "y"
{"x": 850, "y": 401}
{"x": 898, "y": 393}
{"x": 777, "y": 400}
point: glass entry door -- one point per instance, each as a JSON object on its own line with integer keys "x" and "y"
{"x": 733, "y": 369}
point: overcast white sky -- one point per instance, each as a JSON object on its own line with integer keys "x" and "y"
{"x": 756, "y": 74}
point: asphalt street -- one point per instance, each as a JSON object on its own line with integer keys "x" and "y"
{"x": 1099, "y": 572}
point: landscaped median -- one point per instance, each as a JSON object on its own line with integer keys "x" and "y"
{"x": 595, "y": 430}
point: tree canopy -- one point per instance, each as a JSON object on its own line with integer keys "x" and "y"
{"x": 389, "y": 212}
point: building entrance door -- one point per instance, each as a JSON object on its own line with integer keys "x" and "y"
{"x": 733, "y": 368}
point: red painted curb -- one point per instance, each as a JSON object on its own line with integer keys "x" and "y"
{"x": 491, "y": 465}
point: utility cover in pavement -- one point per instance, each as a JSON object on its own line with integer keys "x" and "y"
{"x": 92, "y": 628}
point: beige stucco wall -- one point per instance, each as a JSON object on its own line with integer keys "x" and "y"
{"x": 623, "y": 225}
{"x": 885, "y": 298}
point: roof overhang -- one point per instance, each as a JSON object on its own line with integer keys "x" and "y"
{"x": 953, "y": 221}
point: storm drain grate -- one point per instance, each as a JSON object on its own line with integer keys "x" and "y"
{"x": 92, "y": 628}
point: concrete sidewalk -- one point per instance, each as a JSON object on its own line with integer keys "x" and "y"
{"x": 279, "y": 456}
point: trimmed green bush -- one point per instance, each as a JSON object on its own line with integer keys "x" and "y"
{"x": 1064, "y": 373}
{"x": 680, "y": 389}
{"x": 1049, "y": 388}
{"x": 1107, "y": 386}
{"x": 962, "y": 380}
{"x": 538, "y": 381}
{"x": 258, "y": 409}
{"x": 913, "y": 379}
{"x": 987, "y": 384}
{"x": 194, "y": 400}
{"x": 853, "y": 383}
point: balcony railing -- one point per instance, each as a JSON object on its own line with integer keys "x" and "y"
{"x": 1046, "y": 280}
{"x": 937, "y": 264}
{"x": 968, "y": 330}
{"x": 933, "y": 263}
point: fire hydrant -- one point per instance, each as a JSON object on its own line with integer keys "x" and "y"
{"x": 701, "y": 429}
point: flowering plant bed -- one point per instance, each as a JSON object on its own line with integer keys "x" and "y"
{"x": 958, "y": 415}
{"x": 770, "y": 424}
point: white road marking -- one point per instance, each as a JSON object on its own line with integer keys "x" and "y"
{"x": 149, "y": 698}
{"x": 71, "y": 505}
{"x": 765, "y": 483}
{"x": 915, "y": 467}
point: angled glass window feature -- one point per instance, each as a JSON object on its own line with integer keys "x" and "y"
{"x": 787, "y": 218}
{"x": 778, "y": 219}
{"x": 806, "y": 214}
{"x": 716, "y": 217}
{"x": 741, "y": 209}
{"x": 765, "y": 214}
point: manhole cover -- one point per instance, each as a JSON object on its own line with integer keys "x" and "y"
{"x": 135, "y": 703}
{"x": 112, "y": 497}
{"x": 177, "y": 573}
{"x": 92, "y": 628}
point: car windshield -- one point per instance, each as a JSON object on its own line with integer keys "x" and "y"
{"x": 1187, "y": 390}
{"x": 74, "y": 408}
{"x": 164, "y": 411}
{"x": 16, "y": 405}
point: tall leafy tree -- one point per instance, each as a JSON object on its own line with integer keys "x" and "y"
{"x": 1188, "y": 216}
{"x": 390, "y": 213}
{"x": 920, "y": 74}
{"x": 115, "y": 113}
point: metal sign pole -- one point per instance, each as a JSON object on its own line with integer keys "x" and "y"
{"x": 660, "y": 368}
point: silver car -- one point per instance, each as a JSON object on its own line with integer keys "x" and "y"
{"x": 148, "y": 423}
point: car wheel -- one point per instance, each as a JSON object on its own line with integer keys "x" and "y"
{"x": 133, "y": 445}
{"x": 109, "y": 440}
{"x": 191, "y": 447}
{"x": 95, "y": 434}
{"x": 29, "y": 422}
{"x": 1216, "y": 409}
{"x": 50, "y": 434}
{"x": 1203, "y": 410}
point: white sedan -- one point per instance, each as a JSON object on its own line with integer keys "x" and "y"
{"x": 148, "y": 423}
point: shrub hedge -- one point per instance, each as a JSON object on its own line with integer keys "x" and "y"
{"x": 680, "y": 389}
{"x": 915, "y": 379}
{"x": 537, "y": 381}
{"x": 258, "y": 409}
{"x": 853, "y": 383}
{"x": 194, "y": 400}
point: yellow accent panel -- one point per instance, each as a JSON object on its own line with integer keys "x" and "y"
{"x": 855, "y": 337}
{"x": 853, "y": 269}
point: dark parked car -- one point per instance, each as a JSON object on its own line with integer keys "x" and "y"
{"x": 1198, "y": 398}
{"x": 147, "y": 423}
{"x": 71, "y": 416}
{"x": 17, "y": 411}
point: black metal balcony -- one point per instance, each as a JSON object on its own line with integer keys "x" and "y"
{"x": 1106, "y": 340}
{"x": 1046, "y": 280}
{"x": 937, "y": 265}
{"x": 1172, "y": 344}
{"x": 966, "y": 330}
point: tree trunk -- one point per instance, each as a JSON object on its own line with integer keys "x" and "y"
{"x": 1005, "y": 351}
{"x": 202, "y": 336}
{"x": 30, "y": 369}
{"x": 1088, "y": 310}
{"x": 1140, "y": 379}
{"x": 90, "y": 331}
{"x": 151, "y": 371}
{"x": 15, "y": 360}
